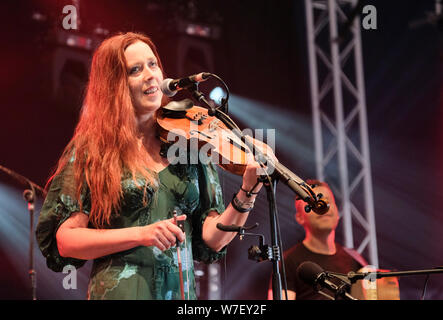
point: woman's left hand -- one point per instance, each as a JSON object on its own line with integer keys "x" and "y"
{"x": 253, "y": 169}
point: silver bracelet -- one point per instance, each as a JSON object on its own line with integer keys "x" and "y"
{"x": 242, "y": 206}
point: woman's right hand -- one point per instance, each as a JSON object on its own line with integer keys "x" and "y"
{"x": 162, "y": 234}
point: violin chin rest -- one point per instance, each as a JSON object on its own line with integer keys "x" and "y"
{"x": 181, "y": 105}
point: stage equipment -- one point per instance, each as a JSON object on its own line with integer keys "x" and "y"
{"x": 30, "y": 195}
{"x": 312, "y": 274}
{"x": 339, "y": 109}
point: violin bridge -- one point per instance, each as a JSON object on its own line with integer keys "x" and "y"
{"x": 214, "y": 125}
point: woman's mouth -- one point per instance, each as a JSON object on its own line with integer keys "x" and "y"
{"x": 150, "y": 90}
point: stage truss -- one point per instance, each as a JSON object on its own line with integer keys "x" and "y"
{"x": 339, "y": 117}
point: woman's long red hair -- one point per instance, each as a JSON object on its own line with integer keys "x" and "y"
{"x": 106, "y": 141}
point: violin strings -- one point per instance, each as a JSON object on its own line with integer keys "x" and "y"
{"x": 268, "y": 159}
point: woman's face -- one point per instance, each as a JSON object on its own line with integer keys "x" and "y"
{"x": 144, "y": 77}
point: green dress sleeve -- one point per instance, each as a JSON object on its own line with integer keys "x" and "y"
{"x": 58, "y": 206}
{"x": 211, "y": 199}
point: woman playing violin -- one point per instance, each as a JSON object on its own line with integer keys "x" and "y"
{"x": 113, "y": 198}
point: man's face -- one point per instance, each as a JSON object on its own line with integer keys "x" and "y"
{"x": 316, "y": 223}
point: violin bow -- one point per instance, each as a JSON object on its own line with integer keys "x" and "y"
{"x": 180, "y": 224}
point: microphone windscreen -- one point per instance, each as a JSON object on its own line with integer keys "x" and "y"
{"x": 164, "y": 87}
{"x": 309, "y": 271}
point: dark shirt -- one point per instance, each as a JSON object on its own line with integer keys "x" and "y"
{"x": 340, "y": 262}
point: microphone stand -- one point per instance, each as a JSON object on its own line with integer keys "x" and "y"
{"x": 276, "y": 250}
{"x": 290, "y": 179}
{"x": 29, "y": 195}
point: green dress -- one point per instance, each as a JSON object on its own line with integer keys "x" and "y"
{"x": 141, "y": 272}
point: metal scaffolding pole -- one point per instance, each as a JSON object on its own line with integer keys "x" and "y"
{"x": 339, "y": 117}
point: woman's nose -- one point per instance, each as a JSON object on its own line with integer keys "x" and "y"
{"x": 147, "y": 73}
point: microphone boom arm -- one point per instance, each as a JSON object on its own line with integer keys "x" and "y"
{"x": 354, "y": 276}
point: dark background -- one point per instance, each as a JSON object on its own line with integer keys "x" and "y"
{"x": 261, "y": 54}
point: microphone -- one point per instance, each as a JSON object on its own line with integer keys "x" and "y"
{"x": 312, "y": 274}
{"x": 169, "y": 87}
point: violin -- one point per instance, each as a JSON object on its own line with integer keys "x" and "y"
{"x": 185, "y": 125}
{"x": 182, "y": 126}
{"x": 212, "y": 138}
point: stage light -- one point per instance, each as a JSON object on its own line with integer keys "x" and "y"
{"x": 197, "y": 29}
{"x": 217, "y": 94}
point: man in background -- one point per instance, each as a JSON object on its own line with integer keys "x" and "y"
{"x": 318, "y": 246}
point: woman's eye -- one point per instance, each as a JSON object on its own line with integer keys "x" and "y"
{"x": 134, "y": 70}
{"x": 153, "y": 64}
